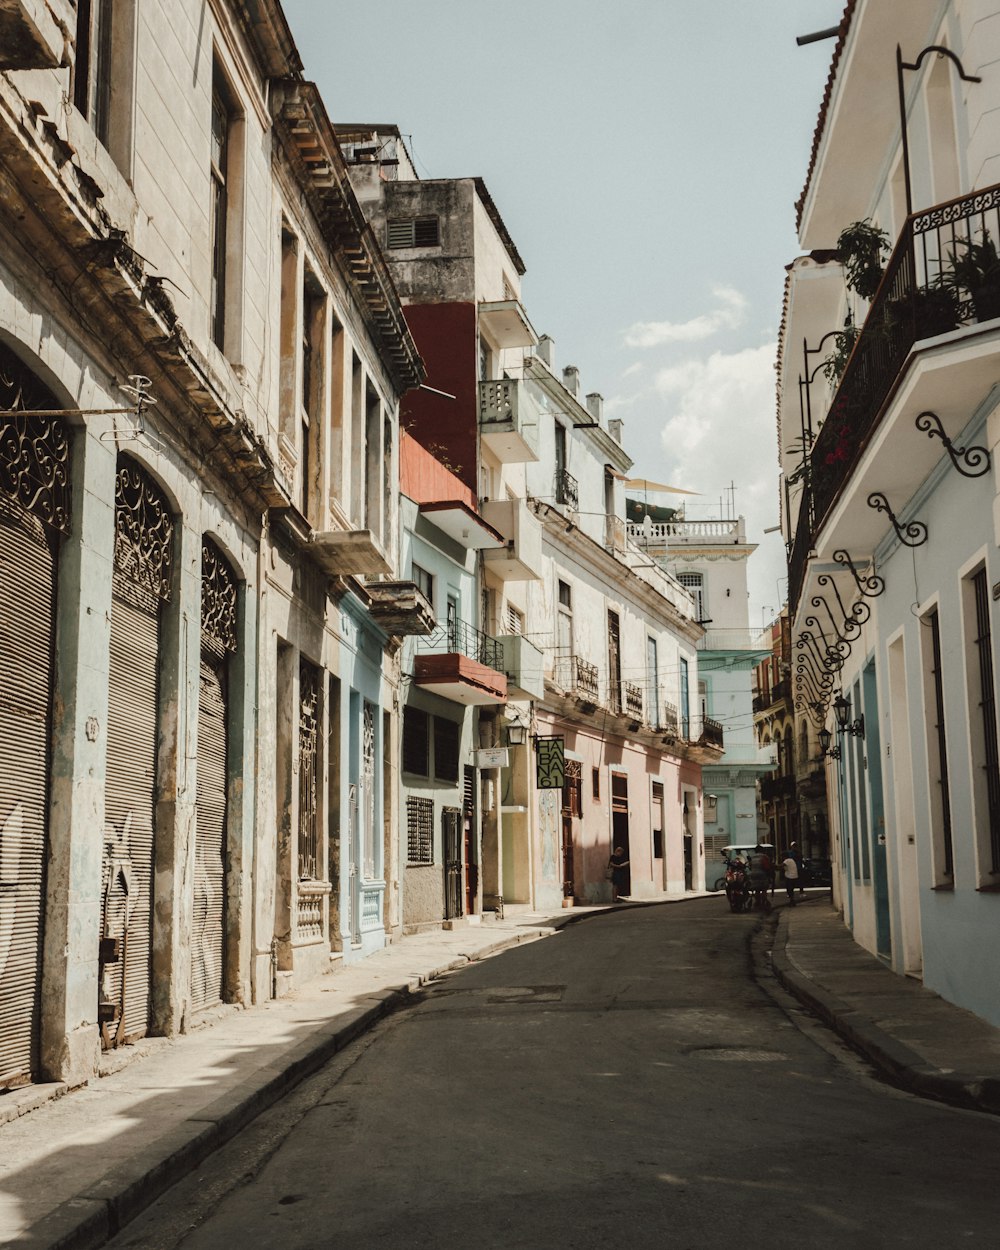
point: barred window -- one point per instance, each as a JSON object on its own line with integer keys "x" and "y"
{"x": 445, "y": 749}
{"x": 572, "y": 803}
{"x": 413, "y": 232}
{"x": 419, "y": 830}
{"x": 416, "y": 742}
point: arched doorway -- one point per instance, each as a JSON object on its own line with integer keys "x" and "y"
{"x": 141, "y": 585}
{"x": 34, "y": 515}
{"x": 218, "y": 642}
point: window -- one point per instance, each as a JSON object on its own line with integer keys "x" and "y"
{"x": 424, "y": 582}
{"x": 572, "y": 796}
{"x": 419, "y": 830}
{"x": 92, "y": 71}
{"x": 515, "y": 620}
{"x": 685, "y": 700}
{"x": 937, "y": 749}
{"x": 986, "y": 776}
{"x": 219, "y": 209}
{"x": 614, "y": 663}
{"x": 416, "y": 742}
{"x": 313, "y": 393}
{"x": 695, "y": 583}
{"x": 309, "y": 731}
{"x": 413, "y": 232}
{"x": 653, "y": 682}
{"x": 446, "y": 734}
{"x": 595, "y": 783}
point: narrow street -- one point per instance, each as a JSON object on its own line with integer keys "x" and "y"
{"x": 627, "y": 1081}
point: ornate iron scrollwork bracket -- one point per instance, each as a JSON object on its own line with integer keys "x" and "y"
{"x": 912, "y": 534}
{"x": 871, "y": 586}
{"x": 969, "y": 461}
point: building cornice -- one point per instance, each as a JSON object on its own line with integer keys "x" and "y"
{"x": 581, "y": 416}
{"x": 308, "y": 140}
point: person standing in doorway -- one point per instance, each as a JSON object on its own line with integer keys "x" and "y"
{"x": 618, "y": 863}
{"x": 790, "y": 868}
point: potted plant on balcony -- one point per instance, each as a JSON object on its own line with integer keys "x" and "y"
{"x": 975, "y": 271}
{"x": 862, "y": 247}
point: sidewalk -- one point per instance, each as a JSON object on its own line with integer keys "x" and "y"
{"x": 80, "y": 1167}
{"x": 913, "y": 1036}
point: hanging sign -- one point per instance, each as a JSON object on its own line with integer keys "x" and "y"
{"x": 492, "y": 757}
{"x": 550, "y": 763}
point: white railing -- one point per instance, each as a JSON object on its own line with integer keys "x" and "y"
{"x": 646, "y": 532}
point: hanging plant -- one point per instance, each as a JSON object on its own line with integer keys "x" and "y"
{"x": 844, "y": 340}
{"x": 862, "y": 248}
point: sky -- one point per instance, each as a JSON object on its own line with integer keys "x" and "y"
{"x": 645, "y": 156}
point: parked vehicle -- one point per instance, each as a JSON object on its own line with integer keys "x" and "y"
{"x": 816, "y": 872}
{"x": 745, "y": 852}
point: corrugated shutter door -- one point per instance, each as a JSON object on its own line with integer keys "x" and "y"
{"x": 208, "y": 922}
{"x": 27, "y": 601}
{"x": 129, "y": 811}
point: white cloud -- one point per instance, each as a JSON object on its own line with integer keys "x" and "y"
{"x": 633, "y": 369}
{"x": 730, "y": 314}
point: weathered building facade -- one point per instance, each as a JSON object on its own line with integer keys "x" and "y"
{"x": 891, "y": 489}
{"x": 181, "y": 588}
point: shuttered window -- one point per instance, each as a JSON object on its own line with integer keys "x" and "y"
{"x": 413, "y": 232}
{"x": 446, "y": 733}
{"x": 416, "y": 742}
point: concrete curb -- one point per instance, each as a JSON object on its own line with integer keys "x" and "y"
{"x": 893, "y": 1058}
{"x": 93, "y": 1217}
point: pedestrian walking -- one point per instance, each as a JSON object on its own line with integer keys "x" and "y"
{"x": 790, "y": 867}
{"x": 796, "y": 854}
{"x": 619, "y": 866}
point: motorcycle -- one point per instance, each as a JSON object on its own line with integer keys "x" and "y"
{"x": 738, "y": 890}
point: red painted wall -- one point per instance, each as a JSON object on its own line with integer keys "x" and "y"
{"x": 445, "y": 335}
{"x": 424, "y": 479}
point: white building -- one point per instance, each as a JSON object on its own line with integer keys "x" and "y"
{"x": 893, "y": 519}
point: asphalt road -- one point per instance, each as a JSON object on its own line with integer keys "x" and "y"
{"x": 627, "y": 1082}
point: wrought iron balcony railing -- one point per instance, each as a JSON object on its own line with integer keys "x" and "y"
{"x": 671, "y": 721}
{"x": 566, "y": 489}
{"x": 632, "y": 694}
{"x": 942, "y": 274}
{"x": 461, "y": 638}
{"x": 711, "y": 732}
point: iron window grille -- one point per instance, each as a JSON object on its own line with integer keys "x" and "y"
{"x": 419, "y": 830}
{"x": 567, "y": 490}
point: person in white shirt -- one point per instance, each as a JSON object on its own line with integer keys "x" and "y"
{"x": 790, "y": 867}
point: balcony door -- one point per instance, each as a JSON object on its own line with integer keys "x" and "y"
{"x": 614, "y": 663}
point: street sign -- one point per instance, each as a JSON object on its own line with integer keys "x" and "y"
{"x": 550, "y": 763}
{"x": 492, "y": 757}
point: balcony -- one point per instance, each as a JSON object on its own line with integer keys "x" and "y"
{"x": 521, "y": 559}
{"x": 33, "y": 32}
{"x": 711, "y": 733}
{"x": 632, "y": 700}
{"x": 462, "y": 524}
{"x": 461, "y": 663}
{"x": 671, "y": 723}
{"x": 524, "y": 666}
{"x": 399, "y": 608}
{"x": 707, "y": 533}
{"x": 566, "y": 490}
{"x": 349, "y": 553}
{"x": 507, "y": 324}
{"x": 925, "y": 292}
{"x": 579, "y": 678}
{"x": 508, "y": 420}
